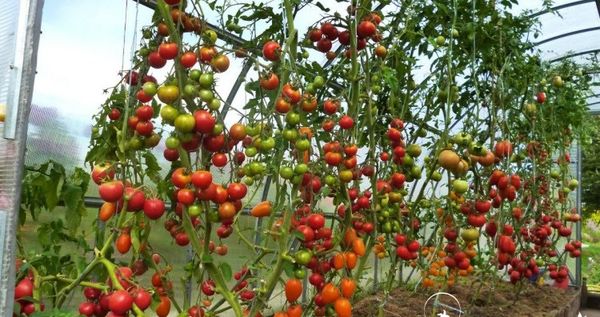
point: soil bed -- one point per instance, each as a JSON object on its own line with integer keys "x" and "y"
{"x": 531, "y": 301}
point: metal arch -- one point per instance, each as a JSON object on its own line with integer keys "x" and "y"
{"x": 234, "y": 89}
{"x": 596, "y": 28}
{"x": 596, "y": 50}
{"x": 562, "y": 6}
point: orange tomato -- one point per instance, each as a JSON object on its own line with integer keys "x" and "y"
{"x": 342, "y": 307}
{"x": 123, "y": 243}
{"x": 330, "y": 293}
{"x": 280, "y": 314}
{"x": 107, "y": 210}
{"x": 262, "y": 209}
{"x": 351, "y": 260}
{"x": 293, "y": 289}
{"x": 358, "y": 246}
{"x": 294, "y": 311}
{"x": 348, "y": 286}
{"x": 339, "y": 261}
{"x": 350, "y": 236}
{"x": 226, "y": 210}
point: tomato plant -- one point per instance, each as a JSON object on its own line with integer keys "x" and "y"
{"x": 462, "y": 171}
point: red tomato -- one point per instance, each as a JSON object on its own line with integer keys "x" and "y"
{"x": 271, "y": 51}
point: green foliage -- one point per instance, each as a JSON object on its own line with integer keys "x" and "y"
{"x": 46, "y": 186}
{"x": 590, "y": 170}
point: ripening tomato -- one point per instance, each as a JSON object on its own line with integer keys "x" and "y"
{"x": 291, "y": 93}
{"x": 269, "y": 82}
{"x": 330, "y": 106}
{"x": 226, "y": 210}
{"x": 220, "y": 63}
{"x": 282, "y": 106}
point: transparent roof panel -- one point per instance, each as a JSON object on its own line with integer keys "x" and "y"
{"x": 571, "y": 44}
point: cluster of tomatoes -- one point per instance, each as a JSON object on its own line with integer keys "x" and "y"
{"x": 506, "y": 187}
{"x": 327, "y": 33}
{"x": 521, "y": 268}
{"x": 126, "y": 297}
{"x": 23, "y": 294}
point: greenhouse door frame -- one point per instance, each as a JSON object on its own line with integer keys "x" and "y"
{"x": 19, "y": 39}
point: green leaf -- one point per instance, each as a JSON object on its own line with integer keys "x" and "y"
{"x": 226, "y": 270}
{"x": 207, "y": 258}
{"x": 152, "y": 167}
{"x": 73, "y": 198}
{"x": 135, "y": 238}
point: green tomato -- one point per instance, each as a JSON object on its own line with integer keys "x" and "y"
{"x": 169, "y": 113}
{"x": 319, "y": 82}
{"x": 214, "y": 104}
{"x": 186, "y": 137}
{"x": 310, "y": 88}
{"x": 185, "y": 123}
{"x": 195, "y": 74}
{"x": 286, "y": 172}
{"x": 440, "y": 40}
{"x": 302, "y": 145}
{"x": 194, "y": 210}
{"x": 249, "y": 181}
{"x": 218, "y": 129}
{"x": 330, "y": 180}
{"x": 557, "y": 81}
{"x": 206, "y": 80}
{"x": 436, "y": 176}
{"x": 415, "y": 171}
{"x": 190, "y": 90}
{"x": 408, "y": 160}
{"x": 210, "y": 37}
{"x": 573, "y": 184}
{"x": 303, "y": 257}
{"x": 134, "y": 144}
{"x": 172, "y": 142}
{"x": 290, "y": 134}
{"x": 414, "y": 150}
{"x": 206, "y": 95}
{"x": 301, "y": 169}
{"x": 292, "y": 118}
{"x": 150, "y": 88}
{"x": 257, "y": 168}
{"x": 299, "y": 273}
{"x": 252, "y": 130}
{"x": 267, "y": 144}
{"x": 213, "y": 216}
{"x": 460, "y": 186}
{"x": 251, "y": 151}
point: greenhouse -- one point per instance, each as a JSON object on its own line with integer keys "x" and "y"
{"x": 297, "y": 158}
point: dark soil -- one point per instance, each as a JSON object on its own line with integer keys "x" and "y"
{"x": 531, "y": 301}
